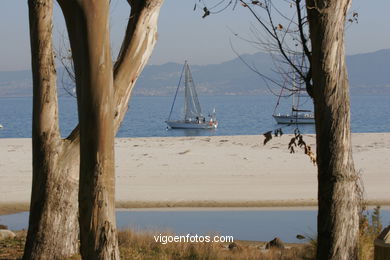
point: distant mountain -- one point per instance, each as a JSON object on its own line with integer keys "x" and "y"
{"x": 228, "y": 78}
{"x": 370, "y": 71}
{"x": 15, "y": 83}
{"x": 19, "y": 83}
{"x": 368, "y": 74}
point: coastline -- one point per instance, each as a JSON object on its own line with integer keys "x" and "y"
{"x": 13, "y": 208}
{"x": 204, "y": 172}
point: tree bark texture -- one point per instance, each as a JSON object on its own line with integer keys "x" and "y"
{"x": 51, "y": 235}
{"x": 88, "y": 31}
{"x": 339, "y": 192}
{"x": 53, "y": 229}
{"x": 88, "y": 28}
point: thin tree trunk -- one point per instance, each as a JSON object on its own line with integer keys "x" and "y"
{"x": 338, "y": 190}
{"x": 50, "y": 235}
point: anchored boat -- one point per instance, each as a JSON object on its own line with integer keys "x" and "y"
{"x": 193, "y": 118}
{"x": 298, "y": 115}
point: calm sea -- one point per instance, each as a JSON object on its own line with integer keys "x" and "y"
{"x": 237, "y": 115}
{"x": 242, "y": 224}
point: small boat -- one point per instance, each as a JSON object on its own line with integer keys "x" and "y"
{"x": 297, "y": 116}
{"x": 193, "y": 118}
{"x": 1, "y": 126}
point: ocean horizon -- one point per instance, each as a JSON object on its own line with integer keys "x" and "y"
{"x": 237, "y": 115}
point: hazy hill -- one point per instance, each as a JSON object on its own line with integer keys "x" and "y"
{"x": 368, "y": 74}
{"x": 370, "y": 69}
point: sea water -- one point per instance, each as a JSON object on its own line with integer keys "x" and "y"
{"x": 237, "y": 115}
{"x": 242, "y": 224}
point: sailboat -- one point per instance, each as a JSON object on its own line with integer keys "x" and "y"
{"x": 297, "y": 116}
{"x": 193, "y": 118}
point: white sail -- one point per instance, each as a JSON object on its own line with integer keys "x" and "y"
{"x": 192, "y": 110}
{"x": 193, "y": 118}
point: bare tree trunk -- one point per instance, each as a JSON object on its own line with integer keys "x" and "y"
{"x": 88, "y": 27}
{"x": 50, "y": 235}
{"x": 338, "y": 189}
{"x": 53, "y": 228}
{"x": 97, "y": 165}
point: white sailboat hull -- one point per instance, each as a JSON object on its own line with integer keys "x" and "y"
{"x": 294, "y": 119}
{"x": 181, "y": 124}
{"x": 193, "y": 118}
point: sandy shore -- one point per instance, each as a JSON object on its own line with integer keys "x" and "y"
{"x": 209, "y": 171}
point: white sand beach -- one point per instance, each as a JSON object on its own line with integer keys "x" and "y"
{"x": 217, "y": 169}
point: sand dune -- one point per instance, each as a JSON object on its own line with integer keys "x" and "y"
{"x": 223, "y": 169}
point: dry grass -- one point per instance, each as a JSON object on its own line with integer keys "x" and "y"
{"x": 141, "y": 245}
{"x": 13, "y": 248}
{"x": 370, "y": 228}
{"x": 135, "y": 245}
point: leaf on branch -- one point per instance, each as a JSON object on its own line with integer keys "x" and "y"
{"x": 244, "y": 5}
{"x": 291, "y": 145}
{"x": 268, "y": 136}
{"x": 255, "y": 2}
{"x": 297, "y": 132}
{"x": 308, "y": 149}
{"x": 312, "y": 156}
{"x": 278, "y": 132}
{"x": 279, "y": 27}
{"x": 292, "y": 142}
{"x": 301, "y": 142}
{"x": 206, "y": 12}
{"x": 354, "y": 18}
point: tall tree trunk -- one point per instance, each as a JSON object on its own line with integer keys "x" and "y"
{"x": 338, "y": 190}
{"x": 97, "y": 165}
{"x": 88, "y": 27}
{"x": 53, "y": 228}
{"x": 50, "y": 235}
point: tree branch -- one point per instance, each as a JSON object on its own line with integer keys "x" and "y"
{"x": 137, "y": 46}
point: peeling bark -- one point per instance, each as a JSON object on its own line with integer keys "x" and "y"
{"x": 53, "y": 228}
{"x": 50, "y": 235}
{"x": 138, "y": 44}
{"x": 88, "y": 27}
{"x": 339, "y": 193}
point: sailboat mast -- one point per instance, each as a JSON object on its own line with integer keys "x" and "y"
{"x": 186, "y": 90}
{"x": 293, "y": 95}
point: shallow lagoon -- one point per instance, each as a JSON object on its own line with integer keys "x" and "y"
{"x": 243, "y": 224}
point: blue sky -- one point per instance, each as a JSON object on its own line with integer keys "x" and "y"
{"x": 183, "y": 34}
